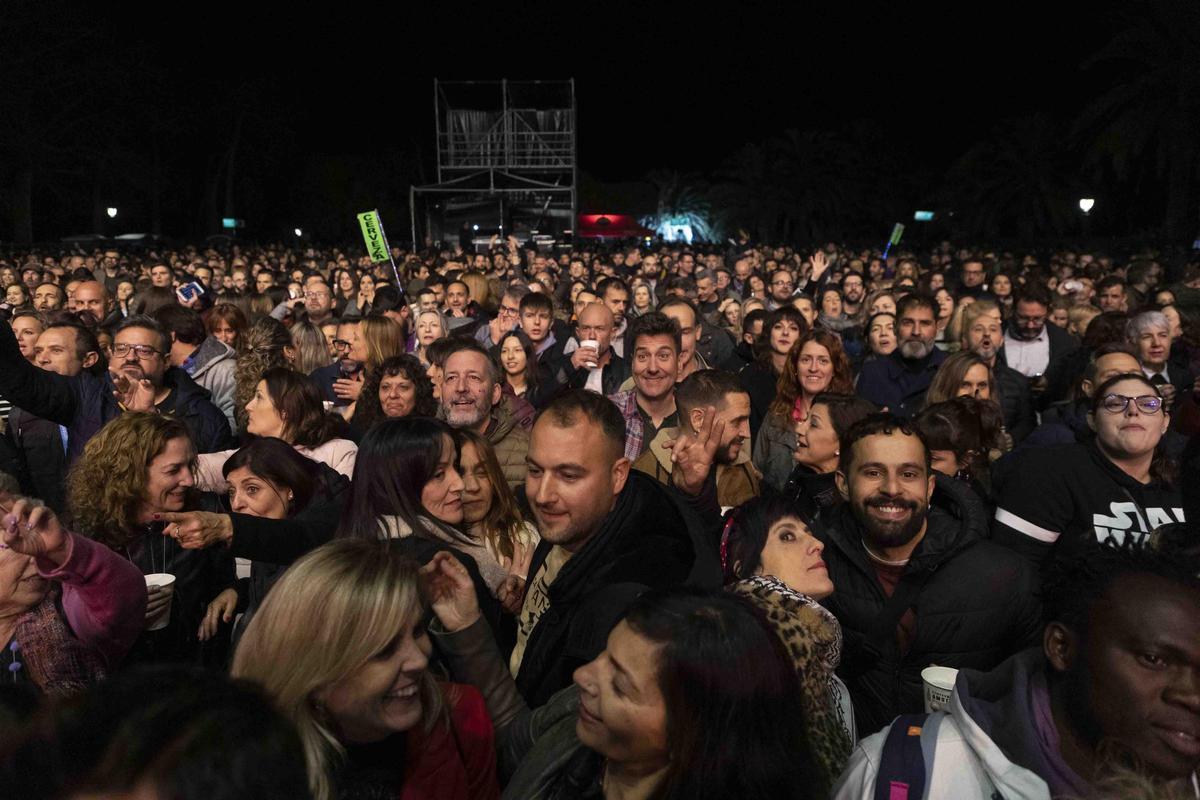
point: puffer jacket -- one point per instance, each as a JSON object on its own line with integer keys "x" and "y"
{"x": 40, "y": 462}
{"x": 976, "y": 608}
{"x": 510, "y": 441}
{"x": 213, "y": 366}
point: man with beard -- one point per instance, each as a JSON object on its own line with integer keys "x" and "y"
{"x": 853, "y": 292}
{"x": 1111, "y": 690}
{"x": 917, "y": 582}
{"x": 897, "y": 382}
{"x": 706, "y": 394}
{"x": 472, "y": 399}
{"x": 983, "y": 335}
{"x": 139, "y": 377}
{"x": 1032, "y": 347}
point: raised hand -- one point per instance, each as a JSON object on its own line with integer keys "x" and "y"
{"x": 33, "y": 530}
{"x": 693, "y": 454}
{"x": 133, "y": 395}
{"x": 195, "y": 530}
{"x": 820, "y": 263}
{"x": 349, "y": 388}
{"x": 451, "y": 592}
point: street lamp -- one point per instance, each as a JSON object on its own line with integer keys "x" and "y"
{"x": 112, "y": 212}
{"x": 1086, "y": 204}
{"x": 298, "y": 232}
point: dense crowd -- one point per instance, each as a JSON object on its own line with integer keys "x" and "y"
{"x": 654, "y": 521}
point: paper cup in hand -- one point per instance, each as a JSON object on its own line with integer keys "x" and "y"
{"x": 165, "y": 582}
{"x": 595, "y": 345}
{"x": 939, "y": 685}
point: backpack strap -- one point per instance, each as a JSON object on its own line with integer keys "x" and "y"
{"x": 906, "y": 760}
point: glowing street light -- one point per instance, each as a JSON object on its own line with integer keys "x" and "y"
{"x": 1086, "y": 204}
{"x": 112, "y": 212}
{"x": 298, "y": 232}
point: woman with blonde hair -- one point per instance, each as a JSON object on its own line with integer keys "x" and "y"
{"x": 340, "y": 644}
{"x": 430, "y": 327}
{"x": 312, "y": 348}
{"x": 480, "y": 290}
{"x": 376, "y": 339}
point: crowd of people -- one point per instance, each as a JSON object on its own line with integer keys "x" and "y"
{"x": 621, "y": 522}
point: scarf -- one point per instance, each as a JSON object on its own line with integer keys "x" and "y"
{"x": 58, "y": 662}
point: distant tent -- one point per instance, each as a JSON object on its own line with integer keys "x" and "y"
{"x": 610, "y": 226}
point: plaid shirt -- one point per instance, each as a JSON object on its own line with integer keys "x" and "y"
{"x": 635, "y": 429}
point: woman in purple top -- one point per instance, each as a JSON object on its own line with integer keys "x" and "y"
{"x": 70, "y": 608}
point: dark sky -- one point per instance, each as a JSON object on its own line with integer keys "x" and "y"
{"x": 657, "y": 86}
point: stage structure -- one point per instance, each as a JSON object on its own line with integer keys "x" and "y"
{"x": 506, "y": 162}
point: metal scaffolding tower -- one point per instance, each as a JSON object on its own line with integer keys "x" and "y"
{"x": 506, "y": 160}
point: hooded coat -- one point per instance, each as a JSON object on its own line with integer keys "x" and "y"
{"x": 975, "y": 607}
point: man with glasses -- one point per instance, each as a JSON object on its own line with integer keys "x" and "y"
{"x": 508, "y": 316}
{"x": 780, "y": 289}
{"x": 139, "y": 377}
{"x": 318, "y": 302}
{"x": 1112, "y": 487}
{"x": 343, "y": 365}
{"x": 973, "y": 278}
{"x": 1032, "y": 347}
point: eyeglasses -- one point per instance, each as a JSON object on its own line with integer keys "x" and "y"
{"x": 143, "y": 351}
{"x": 314, "y": 295}
{"x": 1146, "y": 403}
{"x": 508, "y": 311}
{"x": 781, "y": 283}
{"x": 341, "y": 344}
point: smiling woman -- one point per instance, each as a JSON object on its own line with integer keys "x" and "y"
{"x": 340, "y": 643}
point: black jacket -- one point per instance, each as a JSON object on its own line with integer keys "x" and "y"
{"x": 1072, "y": 496}
{"x": 647, "y": 541}
{"x": 84, "y": 402}
{"x": 975, "y": 608}
{"x": 272, "y": 545}
{"x": 1016, "y": 401}
{"x": 39, "y": 460}
{"x": 611, "y": 377}
{"x": 759, "y": 381}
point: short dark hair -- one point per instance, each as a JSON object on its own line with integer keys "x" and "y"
{"x": 654, "y": 323}
{"x": 610, "y": 283}
{"x": 185, "y": 323}
{"x": 278, "y": 462}
{"x": 1108, "y": 282}
{"x": 567, "y": 407}
{"x": 844, "y": 410}
{"x": 1071, "y": 583}
{"x": 1033, "y": 293}
{"x": 706, "y": 387}
{"x": 537, "y": 301}
{"x": 146, "y": 323}
{"x": 884, "y": 424}
{"x": 755, "y": 315}
{"x": 85, "y": 338}
{"x": 916, "y": 300}
{"x": 387, "y": 298}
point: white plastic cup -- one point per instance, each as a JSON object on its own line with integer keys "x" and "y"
{"x": 164, "y": 581}
{"x": 595, "y": 345}
{"x": 939, "y": 685}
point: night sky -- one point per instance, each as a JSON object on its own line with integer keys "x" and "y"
{"x": 658, "y": 87}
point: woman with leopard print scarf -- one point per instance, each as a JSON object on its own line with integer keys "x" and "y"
{"x": 771, "y": 558}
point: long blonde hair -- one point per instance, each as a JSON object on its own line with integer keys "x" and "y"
{"x": 330, "y": 613}
{"x": 106, "y": 487}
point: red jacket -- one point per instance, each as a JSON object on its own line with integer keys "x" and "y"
{"x": 458, "y": 764}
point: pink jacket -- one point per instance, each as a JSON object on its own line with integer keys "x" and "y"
{"x": 103, "y": 596}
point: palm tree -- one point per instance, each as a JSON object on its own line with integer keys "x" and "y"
{"x": 1150, "y": 120}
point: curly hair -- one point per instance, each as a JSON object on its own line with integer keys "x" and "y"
{"x": 262, "y": 347}
{"x": 105, "y": 487}
{"x": 787, "y": 388}
{"x": 368, "y": 409}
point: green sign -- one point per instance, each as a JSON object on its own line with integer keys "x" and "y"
{"x": 897, "y": 232}
{"x": 372, "y": 231}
